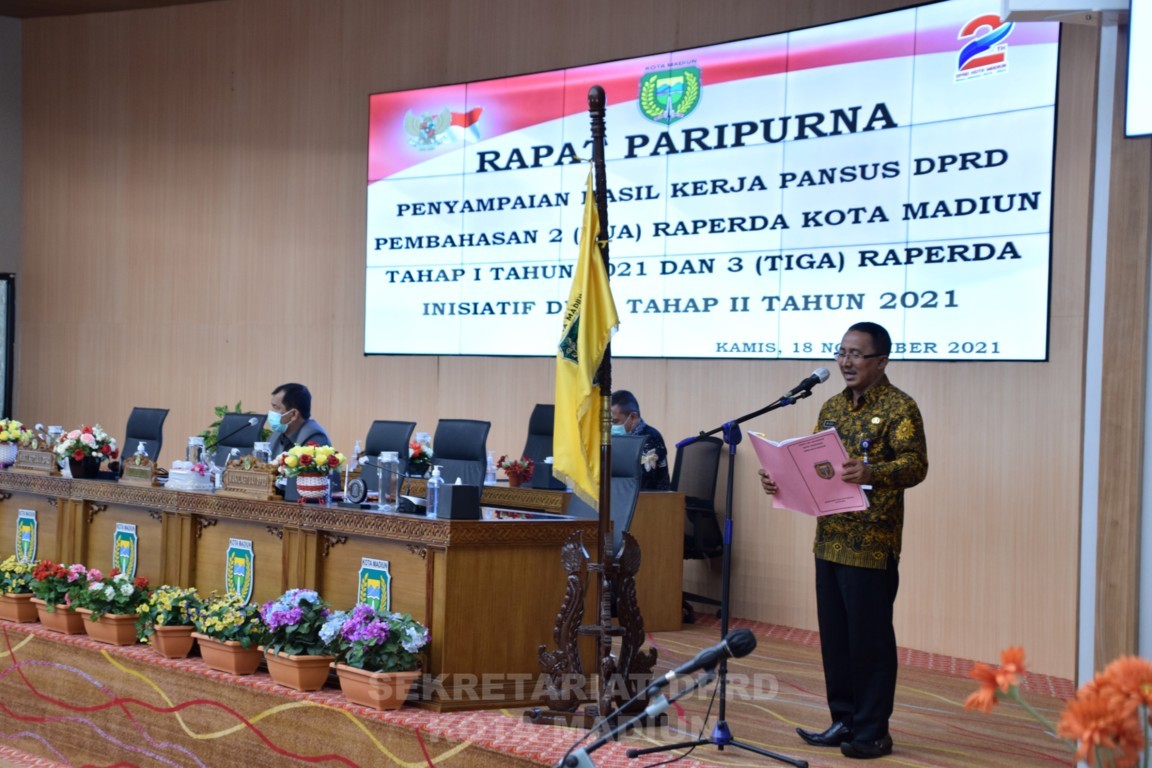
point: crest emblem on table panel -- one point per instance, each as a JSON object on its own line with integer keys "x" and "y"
{"x": 825, "y": 470}
{"x": 27, "y": 533}
{"x": 124, "y": 549}
{"x": 375, "y": 584}
{"x": 240, "y": 569}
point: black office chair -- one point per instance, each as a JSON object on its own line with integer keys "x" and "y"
{"x": 145, "y": 425}
{"x": 624, "y": 488}
{"x": 538, "y": 446}
{"x": 237, "y": 432}
{"x": 625, "y": 484}
{"x": 694, "y": 475}
{"x": 386, "y": 436}
{"x": 460, "y": 447}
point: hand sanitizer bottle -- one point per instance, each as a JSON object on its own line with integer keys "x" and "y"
{"x": 490, "y": 474}
{"x": 435, "y": 483}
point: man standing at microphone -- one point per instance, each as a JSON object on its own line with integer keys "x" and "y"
{"x": 857, "y": 553}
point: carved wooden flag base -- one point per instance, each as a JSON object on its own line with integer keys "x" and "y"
{"x": 621, "y": 676}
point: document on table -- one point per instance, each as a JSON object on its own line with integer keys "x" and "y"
{"x": 807, "y": 474}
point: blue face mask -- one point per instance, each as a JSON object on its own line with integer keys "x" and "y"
{"x": 619, "y": 429}
{"x": 275, "y": 423}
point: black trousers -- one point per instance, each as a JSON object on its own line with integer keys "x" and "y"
{"x": 858, "y": 644}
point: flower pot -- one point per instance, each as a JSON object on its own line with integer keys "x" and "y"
{"x": 63, "y": 619}
{"x": 8, "y": 454}
{"x": 111, "y": 628}
{"x": 173, "y": 642}
{"x": 17, "y": 607}
{"x": 300, "y": 673}
{"x": 312, "y": 487}
{"x": 86, "y": 468}
{"x": 513, "y": 481}
{"x": 228, "y": 655}
{"x": 378, "y": 690}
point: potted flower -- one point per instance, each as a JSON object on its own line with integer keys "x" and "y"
{"x": 420, "y": 456}
{"x": 85, "y": 449}
{"x": 12, "y": 434}
{"x": 1107, "y": 722}
{"x": 53, "y": 586}
{"x": 518, "y": 470}
{"x": 297, "y": 656}
{"x": 310, "y": 465}
{"x": 165, "y": 620}
{"x": 229, "y": 632}
{"x": 110, "y": 604}
{"x": 16, "y": 591}
{"x": 379, "y": 654}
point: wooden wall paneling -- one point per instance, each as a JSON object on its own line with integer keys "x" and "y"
{"x": 47, "y": 525}
{"x": 216, "y": 152}
{"x": 1122, "y": 397}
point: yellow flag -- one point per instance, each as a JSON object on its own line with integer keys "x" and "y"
{"x": 589, "y": 321}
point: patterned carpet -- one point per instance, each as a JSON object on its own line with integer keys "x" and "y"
{"x": 71, "y": 701}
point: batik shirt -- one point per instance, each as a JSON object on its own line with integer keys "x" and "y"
{"x": 885, "y": 430}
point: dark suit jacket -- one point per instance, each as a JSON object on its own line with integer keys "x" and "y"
{"x": 309, "y": 432}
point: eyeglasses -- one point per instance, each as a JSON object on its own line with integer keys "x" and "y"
{"x": 856, "y": 356}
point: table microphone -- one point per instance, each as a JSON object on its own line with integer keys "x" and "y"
{"x": 250, "y": 423}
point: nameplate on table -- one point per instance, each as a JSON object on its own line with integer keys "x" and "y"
{"x": 40, "y": 462}
{"x": 249, "y": 478}
{"x": 139, "y": 470}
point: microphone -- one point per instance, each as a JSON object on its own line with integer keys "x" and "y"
{"x": 819, "y": 376}
{"x": 250, "y": 423}
{"x": 737, "y": 645}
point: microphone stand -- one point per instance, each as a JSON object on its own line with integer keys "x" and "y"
{"x": 721, "y": 733}
{"x": 579, "y": 758}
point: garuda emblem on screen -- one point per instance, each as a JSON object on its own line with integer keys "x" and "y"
{"x": 668, "y": 95}
{"x": 427, "y": 131}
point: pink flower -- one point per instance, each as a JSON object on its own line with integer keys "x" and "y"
{"x": 74, "y": 434}
{"x": 95, "y": 575}
{"x": 88, "y": 439}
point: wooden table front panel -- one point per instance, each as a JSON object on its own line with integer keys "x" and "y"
{"x": 49, "y": 523}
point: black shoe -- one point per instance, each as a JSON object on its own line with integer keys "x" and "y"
{"x": 867, "y": 750}
{"x": 837, "y": 733}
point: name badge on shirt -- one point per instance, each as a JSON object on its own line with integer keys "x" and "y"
{"x": 828, "y": 424}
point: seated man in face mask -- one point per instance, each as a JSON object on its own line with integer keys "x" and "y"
{"x": 290, "y": 419}
{"x": 626, "y": 421}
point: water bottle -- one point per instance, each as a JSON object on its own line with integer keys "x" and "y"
{"x": 195, "y": 451}
{"x": 490, "y": 473}
{"x": 388, "y": 480}
{"x": 435, "y": 483}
